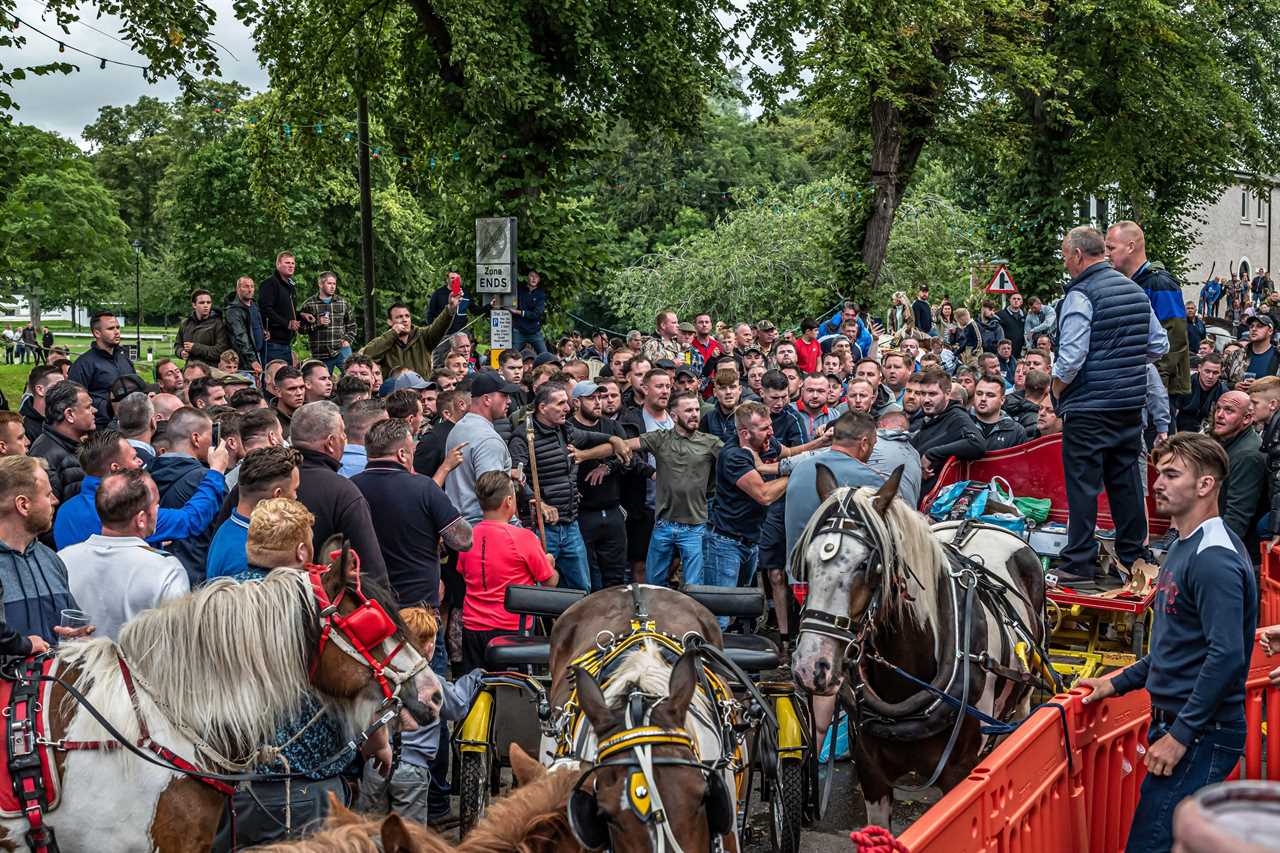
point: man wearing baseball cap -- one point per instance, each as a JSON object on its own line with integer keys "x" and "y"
{"x": 601, "y": 520}
{"x": 1261, "y": 354}
{"x": 485, "y": 450}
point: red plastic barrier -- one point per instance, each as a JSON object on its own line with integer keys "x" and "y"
{"x": 1026, "y": 797}
{"x": 1269, "y": 587}
{"x": 1034, "y": 470}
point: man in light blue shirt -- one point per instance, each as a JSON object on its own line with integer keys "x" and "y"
{"x": 359, "y": 418}
{"x": 269, "y": 472}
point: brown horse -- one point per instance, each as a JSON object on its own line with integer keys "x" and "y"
{"x": 531, "y": 819}
{"x": 661, "y": 777}
{"x": 211, "y": 677}
{"x": 885, "y": 593}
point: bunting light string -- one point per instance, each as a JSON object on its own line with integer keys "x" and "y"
{"x": 15, "y": 23}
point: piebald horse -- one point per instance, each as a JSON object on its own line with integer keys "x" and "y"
{"x": 885, "y": 591}
{"x": 214, "y": 674}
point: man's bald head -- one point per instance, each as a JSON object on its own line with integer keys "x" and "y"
{"x": 1232, "y": 415}
{"x": 165, "y": 405}
{"x": 1126, "y": 246}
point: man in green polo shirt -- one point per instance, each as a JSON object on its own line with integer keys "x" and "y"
{"x": 685, "y": 460}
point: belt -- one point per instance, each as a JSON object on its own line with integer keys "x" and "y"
{"x": 1163, "y": 717}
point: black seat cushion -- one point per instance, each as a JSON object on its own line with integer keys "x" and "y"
{"x": 752, "y": 653}
{"x": 517, "y": 650}
{"x": 540, "y": 600}
{"x": 745, "y": 601}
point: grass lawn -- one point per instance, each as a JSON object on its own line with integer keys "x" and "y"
{"x": 13, "y": 377}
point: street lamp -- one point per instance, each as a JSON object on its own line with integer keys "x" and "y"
{"x": 137, "y": 294}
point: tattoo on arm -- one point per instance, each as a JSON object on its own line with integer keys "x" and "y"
{"x": 458, "y": 535}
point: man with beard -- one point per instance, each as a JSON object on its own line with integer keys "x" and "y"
{"x": 999, "y": 431}
{"x": 203, "y": 335}
{"x": 1242, "y": 499}
{"x": 33, "y": 577}
{"x": 946, "y": 431}
{"x": 1206, "y": 611}
{"x": 640, "y": 492}
{"x": 610, "y": 397}
{"x": 1207, "y": 388}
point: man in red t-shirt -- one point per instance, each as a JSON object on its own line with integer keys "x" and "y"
{"x": 501, "y": 555}
{"x": 808, "y": 350}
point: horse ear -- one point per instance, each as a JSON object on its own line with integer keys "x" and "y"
{"x": 339, "y": 814}
{"x": 523, "y": 767}
{"x": 825, "y": 482}
{"x": 395, "y": 836}
{"x": 592, "y": 700}
{"x": 684, "y": 680}
{"x": 888, "y": 491}
{"x": 335, "y": 579}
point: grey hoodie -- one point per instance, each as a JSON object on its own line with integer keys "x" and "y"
{"x": 35, "y": 592}
{"x": 893, "y": 448}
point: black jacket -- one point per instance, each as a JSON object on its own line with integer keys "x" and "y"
{"x": 1015, "y": 328}
{"x": 1194, "y": 409}
{"x": 635, "y": 482}
{"x": 991, "y": 331}
{"x": 96, "y": 370}
{"x": 1243, "y": 498}
{"x": 717, "y": 423}
{"x": 240, "y": 330}
{"x": 1270, "y": 449}
{"x": 440, "y": 301}
{"x": 430, "y": 450}
{"x": 277, "y": 301}
{"x": 557, "y": 472}
{"x": 1022, "y": 410}
{"x": 607, "y": 494}
{"x": 63, "y": 457}
{"x": 952, "y": 433}
{"x": 1005, "y": 433}
{"x": 32, "y": 421}
{"x": 339, "y": 507}
{"x": 177, "y": 478}
{"x": 923, "y": 313}
{"x": 209, "y": 338}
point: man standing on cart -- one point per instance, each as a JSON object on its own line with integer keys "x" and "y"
{"x": 1206, "y": 611}
{"x": 1107, "y": 334}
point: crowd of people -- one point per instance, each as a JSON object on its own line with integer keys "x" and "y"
{"x": 685, "y": 454}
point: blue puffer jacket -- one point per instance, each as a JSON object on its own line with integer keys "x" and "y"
{"x": 1114, "y": 374}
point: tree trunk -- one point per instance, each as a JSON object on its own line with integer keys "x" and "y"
{"x": 892, "y": 163}
{"x": 33, "y": 302}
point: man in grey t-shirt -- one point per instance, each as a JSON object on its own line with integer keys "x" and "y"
{"x": 485, "y": 451}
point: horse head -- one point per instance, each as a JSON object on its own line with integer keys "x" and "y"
{"x": 647, "y": 780}
{"x": 845, "y": 570}
{"x": 366, "y": 655}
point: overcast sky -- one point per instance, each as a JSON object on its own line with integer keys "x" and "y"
{"x": 65, "y": 103}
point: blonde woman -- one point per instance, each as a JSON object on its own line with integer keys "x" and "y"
{"x": 899, "y": 320}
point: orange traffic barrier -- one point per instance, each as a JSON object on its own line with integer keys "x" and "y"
{"x": 1034, "y": 794}
{"x": 1269, "y": 587}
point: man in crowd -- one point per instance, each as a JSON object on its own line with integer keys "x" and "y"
{"x": 267, "y": 472}
{"x": 484, "y": 449}
{"x": 1107, "y": 335}
{"x": 897, "y": 369}
{"x": 13, "y": 437}
{"x": 277, "y": 298}
{"x": 41, "y": 379}
{"x": 406, "y": 345}
{"x": 946, "y": 429}
{"x": 136, "y": 417}
{"x": 203, "y": 334}
{"x": 1263, "y": 358}
{"x": 33, "y": 577}
{"x": 1196, "y": 331}
{"x": 291, "y": 394}
{"x": 1014, "y": 323}
{"x": 808, "y": 350}
{"x": 170, "y": 379}
{"x": 1207, "y": 387}
{"x": 102, "y": 364}
{"x": 862, "y": 396}
{"x": 337, "y": 504}
{"x": 526, "y": 317}
{"x": 892, "y": 449}
{"x": 989, "y": 329}
{"x": 429, "y": 454}
{"x": 410, "y": 514}
{"x": 922, "y": 311}
{"x": 180, "y": 472}
{"x": 999, "y": 431}
{"x": 600, "y": 516}
{"x": 358, "y": 418}
{"x": 115, "y": 575}
{"x": 1024, "y": 406}
{"x": 244, "y": 326}
{"x": 665, "y": 343}
{"x": 703, "y": 341}
{"x": 557, "y": 465}
{"x": 206, "y": 392}
{"x": 1243, "y": 496}
{"x": 1200, "y": 643}
{"x": 726, "y": 388}
{"x": 812, "y": 406}
{"x": 332, "y": 326}
{"x": 317, "y": 382}
{"x": 1126, "y": 248}
{"x": 69, "y": 418}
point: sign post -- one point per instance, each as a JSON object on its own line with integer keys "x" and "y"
{"x": 496, "y": 277}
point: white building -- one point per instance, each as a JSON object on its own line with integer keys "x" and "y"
{"x": 1236, "y": 234}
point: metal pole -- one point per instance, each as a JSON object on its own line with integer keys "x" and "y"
{"x": 366, "y": 216}
{"x": 137, "y": 293}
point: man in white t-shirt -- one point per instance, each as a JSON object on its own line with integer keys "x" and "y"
{"x": 115, "y": 574}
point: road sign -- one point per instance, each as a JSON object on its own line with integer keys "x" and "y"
{"x": 132, "y": 350}
{"x": 496, "y": 257}
{"x": 1002, "y": 282}
{"x": 495, "y": 278}
{"x": 500, "y": 329}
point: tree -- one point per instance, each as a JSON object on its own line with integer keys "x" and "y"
{"x": 59, "y": 232}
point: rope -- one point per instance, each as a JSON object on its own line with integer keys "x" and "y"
{"x": 876, "y": 839}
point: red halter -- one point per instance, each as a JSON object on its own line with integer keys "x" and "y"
{"x": 360, "y": 632}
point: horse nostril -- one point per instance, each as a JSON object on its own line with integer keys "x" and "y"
{"x": 437, "y": 698}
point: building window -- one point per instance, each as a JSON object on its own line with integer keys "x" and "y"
{"x": 1261, "y": 217}
{"x": 1244, "y": 205}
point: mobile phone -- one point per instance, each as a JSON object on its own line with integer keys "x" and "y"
{"x": 455, "y": 284}
{"x": 217, "y": 433}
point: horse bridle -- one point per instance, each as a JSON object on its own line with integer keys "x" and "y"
{"x": 633, "y": 747}
{"x": 837, "y": 627}
{"x": 360, "y": 632}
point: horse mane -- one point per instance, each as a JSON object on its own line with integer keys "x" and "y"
{"x": 226, "y": 664}
{"x": 352, "y": 833}
{"x": 531, "y": 819}
{"x": 647, "y": 670}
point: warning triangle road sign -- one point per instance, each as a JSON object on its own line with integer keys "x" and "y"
{"x": 1002, "y": 282}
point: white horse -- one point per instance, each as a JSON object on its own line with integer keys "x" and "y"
{"x": 214, "y": 676}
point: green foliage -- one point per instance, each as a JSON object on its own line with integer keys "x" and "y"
{"x": 59, "y": 232}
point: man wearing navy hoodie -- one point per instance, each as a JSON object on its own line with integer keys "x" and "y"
{"x": 1206, "y": 611}
{"x": 1127, "y": 251}
{"x": 179, "y": 474}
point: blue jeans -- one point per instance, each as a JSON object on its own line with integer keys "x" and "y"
{"x": 670, "y": 537}
{"x": 519, "y": 339}
{"x": 564, "y": 542}
{"x": 281, "y": 351}
{"x": 335, "y": 362}
{"x": 724, "y": 559}
{"x": 1208, "y": 760}
{"x": 438, "y": 790}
